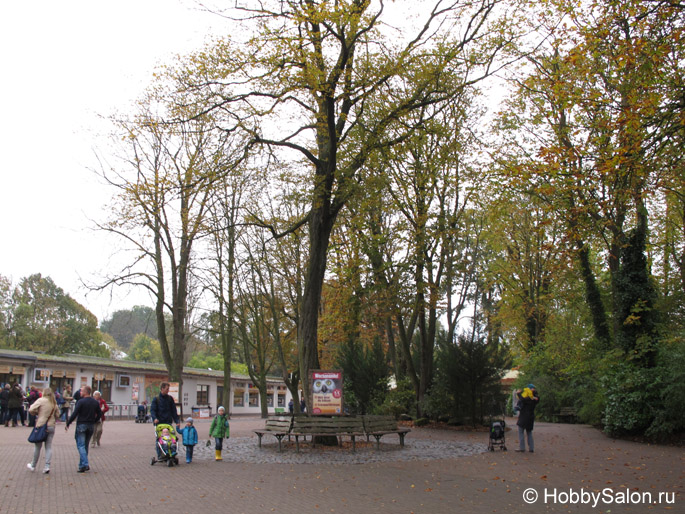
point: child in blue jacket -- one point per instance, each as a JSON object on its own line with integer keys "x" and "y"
{"x": 189, "y": 434}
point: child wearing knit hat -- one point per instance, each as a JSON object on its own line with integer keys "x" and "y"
{"x": 189, "y": 434}
{"x": 219, "y": 430}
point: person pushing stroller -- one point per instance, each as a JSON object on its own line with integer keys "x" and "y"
{"x": 163, "y": 410}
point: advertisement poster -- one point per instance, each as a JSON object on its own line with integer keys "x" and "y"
{"x": 327, "y": 392}
{"x": 152, "y": 384}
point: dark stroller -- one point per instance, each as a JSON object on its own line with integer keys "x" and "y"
{"x": 142, "y": 416}
{"x": 497, "y": 430}
{"x": 166, "y": 445}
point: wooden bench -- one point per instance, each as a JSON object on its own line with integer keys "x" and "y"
{"x": 378, "y": 426}
{"x": 566, "y": 415}
{"x": 337, "y": 426}
{"x": 277, "y": 426}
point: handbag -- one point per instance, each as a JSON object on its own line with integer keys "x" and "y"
{"x": 39, "y": 434}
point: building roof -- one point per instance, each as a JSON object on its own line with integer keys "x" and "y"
{"x": 36, "y": 358}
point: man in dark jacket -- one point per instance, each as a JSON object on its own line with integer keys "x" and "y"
{"x": 528, "y": 400}
{"x": 4, "y": 401}
{"x": 163, "y": 408}
{"x": 86, "y": 413}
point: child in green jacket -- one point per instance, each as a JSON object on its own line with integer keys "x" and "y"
{"x": 218, "y": 430}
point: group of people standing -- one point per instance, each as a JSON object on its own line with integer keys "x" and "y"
{"x": 15, "y": 404}
{"x": 46, "y": 408}
{"x": 12, "y": 405}
{"x": 89, "y": 415}
{"x": 163, "y": 411}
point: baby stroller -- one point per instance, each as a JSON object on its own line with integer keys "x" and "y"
{"x": 166, "y": 446}
{"x": 142, "y": 416}
{"x": 497, "y": 429}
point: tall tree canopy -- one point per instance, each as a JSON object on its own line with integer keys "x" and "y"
{"x": 41, "y": 317}
{"x": 125, "y": 324}
{"x": 327, "y": 85}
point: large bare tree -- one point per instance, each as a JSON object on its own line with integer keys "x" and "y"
{"x": 165, "y": 182}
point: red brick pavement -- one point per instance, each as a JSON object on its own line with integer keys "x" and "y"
{"x": 568, "y": 457}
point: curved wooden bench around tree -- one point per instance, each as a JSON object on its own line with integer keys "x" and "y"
{"x": 320, "y": 426}
{"x": 378, "y": 426}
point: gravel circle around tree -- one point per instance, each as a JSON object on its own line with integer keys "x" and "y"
{"x": 246, "y": 450}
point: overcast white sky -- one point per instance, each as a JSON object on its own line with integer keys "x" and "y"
{"x": 65, "y": 64}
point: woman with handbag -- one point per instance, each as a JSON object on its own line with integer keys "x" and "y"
{"x": 46, "y": 411}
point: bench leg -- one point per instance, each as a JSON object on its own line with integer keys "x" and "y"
{"x": 354, "y": 448}
{"x": 378, "y": 442}
{"x": 259, "y": 436}
{"x": 279, "y": 437}
{"x": 401, "y": 438}
{"x": 297, "y": 443}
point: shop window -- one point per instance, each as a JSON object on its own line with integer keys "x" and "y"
{"x": 202, "y": 394}
{"x": 41, "y": 375}
{"x": 281, "y": 400}
{"x": 58, "y": 384}
{"x": 254, "y": 398}
{"x": 105, "y": 388}
{"x": 238, "y": 399}
{"x": 124, "y": 381}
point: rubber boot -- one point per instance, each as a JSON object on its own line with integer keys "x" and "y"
{"x": 218, "y": 455}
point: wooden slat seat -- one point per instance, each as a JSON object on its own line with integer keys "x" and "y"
{"x": 338, "y": 426}
{"x": 277, "y": 426}
{"x": 378, "y": 426}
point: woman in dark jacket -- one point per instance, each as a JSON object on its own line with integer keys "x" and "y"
{"x": 15, "y": 404}
{"x": 528, "y": 400}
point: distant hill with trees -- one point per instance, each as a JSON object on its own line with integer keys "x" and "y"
{"x": 124, "y": 325}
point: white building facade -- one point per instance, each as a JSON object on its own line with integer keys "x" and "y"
{"x": 127, "y": 384}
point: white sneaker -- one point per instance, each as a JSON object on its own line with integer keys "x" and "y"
{"x": 31, "y": 467}
{"x": 46, "y": 470}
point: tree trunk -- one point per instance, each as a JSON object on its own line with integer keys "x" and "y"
{"x": 593, "y": 297}
{"x": 320, "y": 227}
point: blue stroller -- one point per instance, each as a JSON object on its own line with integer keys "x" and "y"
{"x": 142, "y": 416}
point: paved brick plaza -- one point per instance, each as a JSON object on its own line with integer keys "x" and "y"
{"x": 568, "y": 459}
